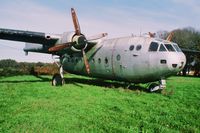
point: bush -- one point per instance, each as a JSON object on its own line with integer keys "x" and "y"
{"x": 12, "y": 68}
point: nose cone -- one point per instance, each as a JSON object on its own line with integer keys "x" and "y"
{"x": 176, "y": 62}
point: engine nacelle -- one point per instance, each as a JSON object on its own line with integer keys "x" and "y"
{"x": 66, "y": 37}
{"x": 80, "y": 42}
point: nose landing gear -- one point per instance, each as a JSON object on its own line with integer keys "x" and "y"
{"x": 155, "y": 86}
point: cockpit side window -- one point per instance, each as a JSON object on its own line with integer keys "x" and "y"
{"x": 177, "y": 48}
{"x": 169, "y": 48}
{"x": 162, "y": 48}
{"x": 153, "y": 47}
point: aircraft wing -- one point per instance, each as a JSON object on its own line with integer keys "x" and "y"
{"x": 28, "y": 36}
{"x": 188, "y": 51}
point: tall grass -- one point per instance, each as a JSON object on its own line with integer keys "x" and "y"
{"x": 30, "y": 104}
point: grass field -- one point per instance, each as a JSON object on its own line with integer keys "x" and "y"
{"x": 30, "y": 104}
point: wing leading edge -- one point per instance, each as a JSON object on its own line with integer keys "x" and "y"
{"x": 35, "y": 41}
{"x": 27, "y": 36}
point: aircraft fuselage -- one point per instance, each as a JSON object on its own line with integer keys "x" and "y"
{"x": 127, "y": 59}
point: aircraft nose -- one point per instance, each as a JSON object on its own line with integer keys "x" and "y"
{"x": 177, "y": 62}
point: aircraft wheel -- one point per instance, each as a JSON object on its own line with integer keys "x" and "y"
{"x": 153, "y": 87}
{"x": 57, "y": 80}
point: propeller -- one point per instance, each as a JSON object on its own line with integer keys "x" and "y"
{"x": 87, "y": 66}
{"x": 76, "y": 23}
{"x": 59, "y": 47}
{"x": 152, "y": 35}
{"x": 99, "y": 36}
{"x": 79, "y": 41}
{"x": 169, "y": 38}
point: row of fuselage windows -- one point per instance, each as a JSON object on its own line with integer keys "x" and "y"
{"x": 138, "y": 47}
{"x": 154, "y": 46}
{"x": 106, "y": 61}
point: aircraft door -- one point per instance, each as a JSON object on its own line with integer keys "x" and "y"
{"x": 107, "y": 59}
{"x": 120, "y": 59}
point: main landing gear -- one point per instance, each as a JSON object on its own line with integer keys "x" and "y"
{"x": 155, "y": 86}
{"x": 58, "y": 78}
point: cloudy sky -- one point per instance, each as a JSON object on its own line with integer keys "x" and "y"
{"x": 116, "y": 17}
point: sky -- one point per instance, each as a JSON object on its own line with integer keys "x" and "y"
{"x": 115, "y": 17}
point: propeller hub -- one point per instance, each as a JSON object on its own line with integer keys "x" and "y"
{"x": 80, "y": 41}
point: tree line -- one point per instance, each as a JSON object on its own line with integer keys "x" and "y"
{"x": 9, "y": 67}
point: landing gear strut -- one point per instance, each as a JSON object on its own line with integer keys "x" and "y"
{"x": 58, "y": 78}
{"x": 155, "y": 87}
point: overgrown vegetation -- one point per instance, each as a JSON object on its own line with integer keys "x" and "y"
{"x": 30, "y": 104}
{"x": 10, "y": 67}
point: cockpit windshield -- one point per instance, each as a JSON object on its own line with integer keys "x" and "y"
{"x": 169, "y": 47}
{"x": 177, "y": 48}
{"x": 162, "y": 48}
{"x": 153, "y": 47}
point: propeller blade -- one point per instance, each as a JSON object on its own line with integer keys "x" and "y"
{"x": 169, "y": 38}
{"x": 87, "y": 66}
{"x": 152, "y": 35}
{"x": 59, "y": 47}
{"x": 75, "y": 21}
{"x": 99, "y": 36}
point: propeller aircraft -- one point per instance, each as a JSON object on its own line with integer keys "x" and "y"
{"x": 129, "y": 59}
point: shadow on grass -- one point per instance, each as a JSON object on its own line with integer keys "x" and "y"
{"x": 78, "y": 81}
{"x": 104, "y": 83}
{"x": 40, "y": 79}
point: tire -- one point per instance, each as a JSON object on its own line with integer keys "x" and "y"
{"x": 57, "y": 80}
{"x": 152, "y": 87}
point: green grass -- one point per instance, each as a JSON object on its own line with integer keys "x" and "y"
{"x": 30, "y": 104}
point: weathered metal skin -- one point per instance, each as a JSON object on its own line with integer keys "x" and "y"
{"x": 114, "y": 59}
{"x": 27, "y": 36}
{"x": 124, "y": 59}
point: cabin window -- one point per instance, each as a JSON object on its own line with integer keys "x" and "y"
{"x": 106, "y": 60}
{"x": 131, "y": 48}
{"x": 169, "y": 47}
{"x": 177, "y": 48}
{"x": 138, "y": 47}
{"x": 93, "y": 60}
{"x": 99, "y": 60}
{"x": 153, "y": 47}
{"x": 118, "y": 57}
{"x": 162, "y": 48}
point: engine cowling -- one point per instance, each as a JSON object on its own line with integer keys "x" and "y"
{"x": 66, "y": 37}
{"x": 79, "y": 41}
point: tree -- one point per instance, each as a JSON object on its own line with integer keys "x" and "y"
{"x": 8, "y": 63}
